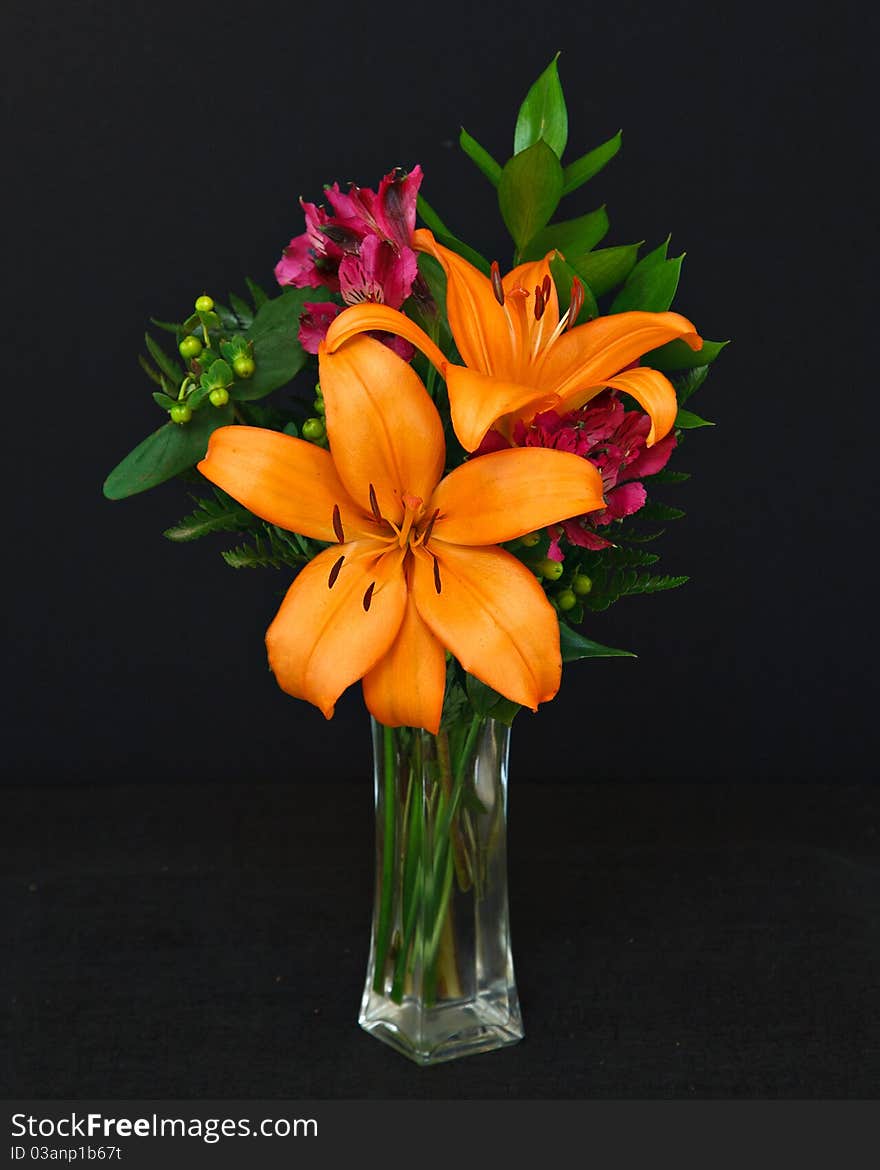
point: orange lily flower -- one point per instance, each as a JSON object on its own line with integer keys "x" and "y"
{"x": 415, "y": 569}
{"x": 519, "y": 355}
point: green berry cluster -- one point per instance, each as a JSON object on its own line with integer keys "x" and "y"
{"x": 565, "y": 586}
{"x": 214, "y": 362}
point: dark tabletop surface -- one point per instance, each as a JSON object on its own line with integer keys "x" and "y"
{"x": 671, "y": 940}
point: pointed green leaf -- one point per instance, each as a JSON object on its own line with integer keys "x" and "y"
{"x": 489, "y": 703}
{"x": 650, "y": 287}
{"x": 242, "y": 310}
{"x": 688, "y": 421}
{"x": 606, "y": 268}
{"x": 584, "y": 168}
{"x": 678, "y": 355}
{"x": 689, "y": 383}
{"x": 167, "y": 365}
{"x": 575, "y": 646}
{"x": 228, "y": 319}
{"x": 480, "y": 156}
{"x": 573, "y": 237}
{"x": 444, "y": 236}
{"x": 164, "y": 400}
{"x": 543, "y": 115}
{"x": 563, "y": 275}
{"x": 151, "y": 373}
{"x": 168, "y": 326}
{"x": 278, "y": 355}
{"x": 221, "y": 514}
{"x": 529, "y": 191}
{"x": 258, "y": 295}
{"x": 166, "y": 453}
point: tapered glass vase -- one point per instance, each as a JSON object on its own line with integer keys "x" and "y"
{"x": 440, "y": 982}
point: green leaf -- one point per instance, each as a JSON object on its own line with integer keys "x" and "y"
{"x": 688, "y": 421}
{"x": 563, "y": 276}
{"x": 606, "y": 268}
{"x": 480, "y": 156}
{"x": 489, "y": 703}
{"x": 662, "y": 512}
{"x": 168, "y": 326}
{"x": 167, "y": 365}
{"x": 242, "y": 310}
{"x": 164, "y": 400}
{"x": 166, "y": 453}
{"x": 445, "y": 237}
{"x": 678, "y": 355}
{"x": 258, "y": 295}
{"x": 574, "y": 646}
{"x": 651, "y": 285}
{"x": 543, "y": 116}
{"x": 689, "y": 383}
{"x": 221, "y": 514}
{"x": 529, "y": 191}
{"x": 228, "y": 319}
{"x": 664, "y": 475}
{"x": 573, "y": 237}
{"x": 151, "y": 373}
{"x": 589, "y": 164}
{"x": 278, "y": 355}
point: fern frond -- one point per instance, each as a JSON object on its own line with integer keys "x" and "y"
{"x": 220, "y": 514}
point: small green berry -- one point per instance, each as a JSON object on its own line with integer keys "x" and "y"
{"x": 190, "y": 347}
{"x": 313, "y": 430}
{"x": 204, "y": 304}
{"x": 180, "y": 413}
{"x": 552, "y": 570}
{"x": 244, "y": 366}
{"x": 219, "y": 396}
{"x": 530, "y": 539}
{"x": 319, "y": 407}
{"x": 566, "y": 600}
{"x": 581, "y": 584}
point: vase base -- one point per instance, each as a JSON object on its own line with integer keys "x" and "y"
{"x": 448, "y": 1032}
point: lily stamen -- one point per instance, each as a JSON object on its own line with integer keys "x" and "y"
{"x": 497, "y": 285}
{"x": 438, "y": 584}
{"x": 334, "y": 572}
{"x": 337, "y": 524}
{"x": 374, "y": 505}
{"x": 426, "y": 535}
{"x": 576, "y": 304}
{"x": 540, "y": 302}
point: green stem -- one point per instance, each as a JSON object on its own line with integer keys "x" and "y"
{"x": 383, "y": 933}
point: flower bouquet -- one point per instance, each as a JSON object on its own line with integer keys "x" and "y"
{"x": 451, "y": 460}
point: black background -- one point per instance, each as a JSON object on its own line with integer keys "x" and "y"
{"x": 156, "y": 152}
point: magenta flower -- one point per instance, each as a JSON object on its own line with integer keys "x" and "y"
{"x": 613, "y": 439}
{"x": 362, "y": 251}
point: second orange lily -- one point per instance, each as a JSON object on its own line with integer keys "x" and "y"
{"x": 520, "y": 356}
{"x": 413, "y": 569}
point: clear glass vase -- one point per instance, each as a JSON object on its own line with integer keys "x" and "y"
{"x": 440, "y": 981}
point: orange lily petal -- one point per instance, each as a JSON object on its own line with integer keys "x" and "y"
{"x": 366, "y": 317}
{"x": 324, "y": 639}
{"x": 654, "y": 393}
{"x": 501, "y": 496}
{"x": 493, "y": 615}
{"x": 478, "y": 322}
{"x": 477, "y": 400}
{"x": 384, "y": 429}
{"x": 590, "y": 354}
{"x": 405, "y": 688}
{"x": 286, "y": 481}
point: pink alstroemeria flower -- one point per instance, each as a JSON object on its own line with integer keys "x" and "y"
{"x": 614, "y": 440}
{"x": 362, "y": 251}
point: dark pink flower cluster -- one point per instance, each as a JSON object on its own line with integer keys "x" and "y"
{"x": 361, "y": 251}
{"x": 613, "y": 439}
